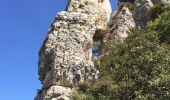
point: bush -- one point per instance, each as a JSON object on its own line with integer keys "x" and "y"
{"x": 76, "y": 96}
{"x": 83, "y": 86}
{"x": 102, "y": 90}
{"x": 156, "y": 10}
{"x": 162, "y": 25}
{"x": 88, "y": 97}
{"x": 131, "y": 1}
{"x": 140, "y": 66}
{"x": 131, "y": 6}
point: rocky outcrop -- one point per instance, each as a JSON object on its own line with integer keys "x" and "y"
{"x": 65, "y": 57}
{"x": 130, "y": 14}
{"x": 142, "y": 12}
{"x": 66, "y": 54}
{"x": 122, "y": 22}
{"x": 54, "y": 93}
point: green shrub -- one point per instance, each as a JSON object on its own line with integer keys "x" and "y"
{"x": 138, "y": 69}
{"x": 131, "y": 1}
{"x": 103, "y": 88}
{"x": 76, "y": 96}
{"x": 156, "y": 10}
{"x": 103, "y": 97}
{"x": 131, "y": 6}
{"x": 162, "y": 25}
{"x": 83, "y": 86}
{"x": 88, "y": 97}
{"x": 140, "y": 66}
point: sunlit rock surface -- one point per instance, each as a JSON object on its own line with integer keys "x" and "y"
{"x": 65, "y": 58}
{"x": 128, "y": 16}
{"x": 122, "y": 22}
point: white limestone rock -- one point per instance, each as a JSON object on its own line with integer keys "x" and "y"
{"x": 67, "y": 48}
{"x": 104, "y": 10}
{"x": 122, "y": 22}
{"x": 55, "y": 93}
{"x": 65, "y": 57}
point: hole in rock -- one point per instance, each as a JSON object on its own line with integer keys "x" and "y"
{"x": 97, "y": 42}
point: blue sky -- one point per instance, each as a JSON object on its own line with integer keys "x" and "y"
{"x": 23, "y": 27}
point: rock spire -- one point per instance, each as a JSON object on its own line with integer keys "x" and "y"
{"x": 65, "y": 58}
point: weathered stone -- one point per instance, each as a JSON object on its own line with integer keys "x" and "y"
{"x": 125, "y": 18}
{"x": 67, "y": 50}
{"x": 54, "y": 93}
{"x": 142, "y": 12}
{"x": 122, "y": 22}
{"x": 65, "y": 57}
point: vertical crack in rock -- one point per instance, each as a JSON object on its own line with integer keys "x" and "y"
{"x": 65, "y": 57}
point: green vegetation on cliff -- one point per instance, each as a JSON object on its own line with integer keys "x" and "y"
{"x": 138, "y": 69}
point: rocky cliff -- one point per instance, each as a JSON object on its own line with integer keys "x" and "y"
{"x": 65, "y": 58}
{"x": 130, "y": 14}
{"x": 66, "y": 55}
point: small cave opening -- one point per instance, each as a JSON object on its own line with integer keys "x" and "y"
{"x": 96, "y": 48}
{"x": 97, "y": 44}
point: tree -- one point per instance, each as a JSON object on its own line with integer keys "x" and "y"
{"x": 162, "y": 25}
{"x": 141, "y": 66}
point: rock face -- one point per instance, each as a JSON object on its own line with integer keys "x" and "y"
{"x": 65, "y": 57}
{"x": 122, "y": 22}
{"x": 142, "y": 12}
{"x": 66, "y": 54}
{"x": 55, "y": 93}
{"x": 130, "y": 14}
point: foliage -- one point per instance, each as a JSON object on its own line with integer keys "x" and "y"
{"x": 141, "y": 65}
{"x": 83, "y": 86}
{"x": 102, "y": 90}
{"x": 103, "y": 87}
{"x": 131, "y": 1}
{"x": 139, "y": 68}
{"x": 156, "y": 10}
{"x": 76, "y": 96}
{"x": 162, "y": 25}
{"x": 129, "y": 5}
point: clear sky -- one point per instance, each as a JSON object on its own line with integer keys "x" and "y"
{"x": 23, "y": 27}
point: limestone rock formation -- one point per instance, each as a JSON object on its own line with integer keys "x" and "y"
{"x": 55, "y": 93}
{"x": 122, "y": 22}
{"x": 130, "y": 14}
{"x": 66, "y": 54}
{"x": 65, "y": 57}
